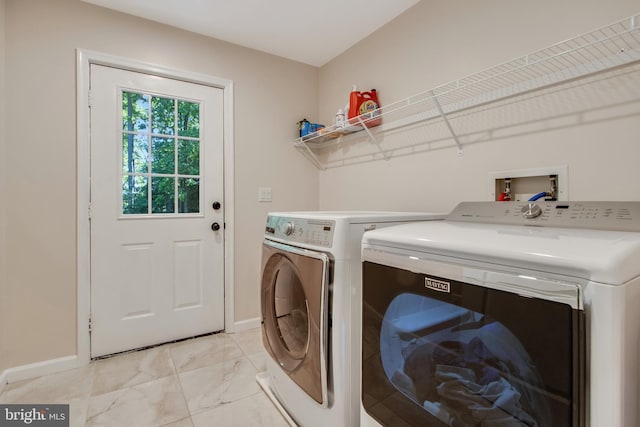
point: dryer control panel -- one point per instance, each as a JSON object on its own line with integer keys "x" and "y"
{"x": 316, "y": 232}
{"x": 617, "y": 216}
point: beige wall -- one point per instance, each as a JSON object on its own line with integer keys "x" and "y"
{"x": 439, "y": 41}
{"x": 271, "y": 94}
{"x": 3, "y": 299}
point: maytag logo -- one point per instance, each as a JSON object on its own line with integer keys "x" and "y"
{"x": 437, "y": 285}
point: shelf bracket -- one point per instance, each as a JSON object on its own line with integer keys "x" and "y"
{"x": 306, "y": 151}
{"x": 373, "y": 139}
{"x": 446, "y": 121}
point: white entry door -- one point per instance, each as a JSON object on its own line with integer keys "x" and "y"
{"x": 157, "y": 226}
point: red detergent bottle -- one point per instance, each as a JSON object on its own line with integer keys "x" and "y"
{"x": 365, "y": 105}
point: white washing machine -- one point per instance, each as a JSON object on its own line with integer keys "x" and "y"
{"x": 509, "y": 314}
{"x": 311, "y": 272}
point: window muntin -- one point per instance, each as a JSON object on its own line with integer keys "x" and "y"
{"x": 161, "y": 174}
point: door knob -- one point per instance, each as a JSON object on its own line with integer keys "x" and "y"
{"x": 216, "y": 205}
{"x": 215, "y": 226}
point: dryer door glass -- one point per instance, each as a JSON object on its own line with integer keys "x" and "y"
{"x": 440, "y": 352}
{"x": 292, "y": 315}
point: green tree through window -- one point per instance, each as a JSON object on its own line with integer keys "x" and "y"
{"x": 160, "y": 155}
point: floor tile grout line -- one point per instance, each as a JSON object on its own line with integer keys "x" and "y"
{"x": 244, "y": 351}
{"x": 205, "y": 410}
{"x": 89, "y": 393}
{"x": 126, "y": 387}
{"x": 179, "y": 379}
{"x": 178, "y": 374}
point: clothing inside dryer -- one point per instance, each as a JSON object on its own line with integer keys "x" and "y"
{"x": 463, "y": 367}
{"x": 291, "y": 312}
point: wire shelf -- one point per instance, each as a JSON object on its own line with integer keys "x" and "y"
{"x": 603, "y": 50}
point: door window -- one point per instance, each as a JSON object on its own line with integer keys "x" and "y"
{"x": 161, "y": 154}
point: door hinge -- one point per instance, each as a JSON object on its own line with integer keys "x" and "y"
{"x": 90, "y": 98}
{"x": 89, "y": 325}
{"x": 89, "y": 212}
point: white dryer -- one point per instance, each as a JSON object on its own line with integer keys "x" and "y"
{"x": 310, "y": 298}
{"x": 514, "y": 314}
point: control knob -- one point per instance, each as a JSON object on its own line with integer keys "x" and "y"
{"x": 531, "y": 210}
{"x": 289, "y": 228}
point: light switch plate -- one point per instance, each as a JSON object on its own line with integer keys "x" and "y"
{"x": 264, "y": 194}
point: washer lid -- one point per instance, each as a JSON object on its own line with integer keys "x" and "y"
{"x": 359, "y": 217}
{"x": 611, "y": 257}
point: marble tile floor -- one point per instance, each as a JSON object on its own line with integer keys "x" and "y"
{"x": 201, "y": 382}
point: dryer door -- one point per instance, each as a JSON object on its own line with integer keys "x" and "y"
{"x": 440, "y": 351}
{"x": 294, "y": 314}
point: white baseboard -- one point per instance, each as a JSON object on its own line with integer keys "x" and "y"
{"x": 244, "y": 325}
{"x": 38, "y": 369}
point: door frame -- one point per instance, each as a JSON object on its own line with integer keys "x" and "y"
{"x": 84, "y": 59}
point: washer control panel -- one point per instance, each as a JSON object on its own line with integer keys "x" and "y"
{"x": 301, "y": 230}
{"x": 621, "y": 216}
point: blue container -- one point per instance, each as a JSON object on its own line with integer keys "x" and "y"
{"x": 307, "y": 127}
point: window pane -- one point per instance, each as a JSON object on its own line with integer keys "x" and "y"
{"x": 188, "y": 119}
{"x": 135, "y": 111}
{"x": 188, "y": 157}
{"x": 163, "y": 151}
{"x": 135, "y": 153}
{"x": 134, "y": 194}
{"x": 160, "y": 174}
{"x": 188, "y": 195}
{"x": 162, "y": 194}
{"x": 162, "y": 115}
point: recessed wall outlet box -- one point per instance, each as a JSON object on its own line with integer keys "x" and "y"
{"x": 526, "y": 183}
